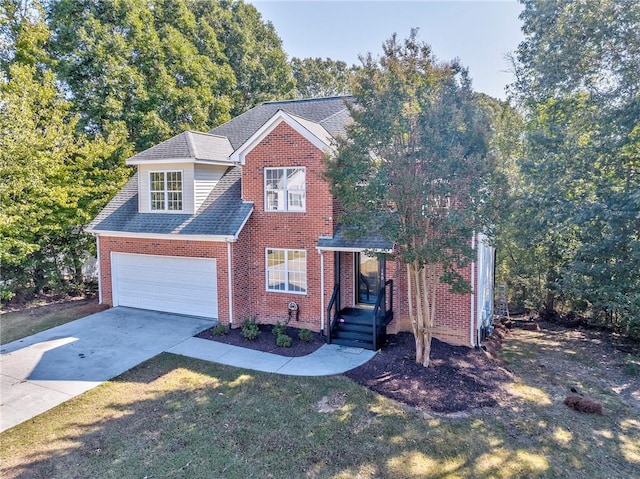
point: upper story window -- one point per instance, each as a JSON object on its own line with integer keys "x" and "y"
{"x": 285, "y": 189}
{"x": 165, "y": 189}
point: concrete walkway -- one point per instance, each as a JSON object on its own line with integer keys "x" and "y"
{"x": 329, "y": 359}
{"x": 42, "y": 371}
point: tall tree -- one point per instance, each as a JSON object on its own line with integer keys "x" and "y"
{"x": 413, "y": 168}
{"x": 52, "y": 178}
{"x": 150, "y": 66}
{"x": 164, "y": 66}
{"x": 316, "y": 77}
{"x": 578, "y": 77}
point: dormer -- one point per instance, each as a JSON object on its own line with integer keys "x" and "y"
{"x": 177, "y": 175}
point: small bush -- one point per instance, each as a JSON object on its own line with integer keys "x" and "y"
{"x": 250, "y": 329}
{"x": 283, "y": 341}
{"x": 279, "y": 328}
{"x": 220, "y": 330}
{"x": 305, "y": 335}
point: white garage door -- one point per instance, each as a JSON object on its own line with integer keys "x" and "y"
{"x": 165, "y": 283}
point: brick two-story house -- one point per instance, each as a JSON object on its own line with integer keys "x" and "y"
{"x": 239, "y": 223}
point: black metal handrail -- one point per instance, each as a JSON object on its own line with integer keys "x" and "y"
{"x": 333, "y": 305}
{"x": 380, "y": 322}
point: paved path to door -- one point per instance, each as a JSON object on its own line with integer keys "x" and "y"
{"x": 41, "y": 371}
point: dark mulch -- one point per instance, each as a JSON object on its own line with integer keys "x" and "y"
{"x": 458, "y": 378}
{"x": 266, "y": 341}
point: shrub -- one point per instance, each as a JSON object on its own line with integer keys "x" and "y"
{"x": 283, "y": 341}
{"x": 305, "y": 335}
{"x": 220, "y": 330}
{"x": 279, "y": 328}
{"x": 250, "y": 329}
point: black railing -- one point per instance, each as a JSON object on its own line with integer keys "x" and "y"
{"x": 382, "y": 313}
{"x": 332, "y": 311}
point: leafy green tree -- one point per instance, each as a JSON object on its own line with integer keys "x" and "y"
{"x": 149, "y": 65}
{"x": 414, "y": 167}
{"x": 52, "y": 178}
{"x": 316, "y": 77}
{"x": 578, "y": 74}
{"x": 164, "y": 66}
{"x": 254, "y": 51}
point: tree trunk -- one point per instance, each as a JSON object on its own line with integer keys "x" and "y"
{"x": 421, "y": 283}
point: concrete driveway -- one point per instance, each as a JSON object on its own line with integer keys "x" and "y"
{"x": 48, "y": 368}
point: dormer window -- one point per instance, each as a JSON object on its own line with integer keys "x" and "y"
{"x": 285, "y": 189}
{"x": 165, "y": 189}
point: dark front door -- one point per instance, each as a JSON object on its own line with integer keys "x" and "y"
{"x": 368, "y": 279}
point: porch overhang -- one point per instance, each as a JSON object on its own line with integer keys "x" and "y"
{"x": 340, "y": 242}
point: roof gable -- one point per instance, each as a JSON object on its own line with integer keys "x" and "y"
{"x": 189, "y": 146}
{"x": 315, "y": 133}
{"x": 332, "y": 113}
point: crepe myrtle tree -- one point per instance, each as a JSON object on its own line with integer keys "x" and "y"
{"x": 414, "y": 166}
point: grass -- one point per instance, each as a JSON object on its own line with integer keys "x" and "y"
{"x": 18, "y": 324}
{"x": 176, "y": 417}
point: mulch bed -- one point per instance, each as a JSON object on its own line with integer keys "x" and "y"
{"x": 266, "y": 341}
{"x": 458, "y": 378}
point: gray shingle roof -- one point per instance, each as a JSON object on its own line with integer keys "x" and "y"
{"x": 222, "y": 213}
{"x": 331, "y": 113}
{"x": 188, "y": 145}
{"x": 340, "y": 241}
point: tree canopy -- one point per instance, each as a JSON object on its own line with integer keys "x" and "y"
{"x": 316, "y": 77}
{"x": 414, "y": 167}
{"x": 577, "y": 81}
{"x": 165, "y": 66}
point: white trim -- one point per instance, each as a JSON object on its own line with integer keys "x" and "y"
{"x": 230, "y": 281}
{"x": 280, "y": 116}
{"x": 114, "y": 290}
{"x": 473, "y": 267}
{"x": 166, "y": 192}
{"x": 180, "y": 161}
{"x": 169, "y": 236}
{"x": 99, "y": 271}
{"x": 321, "y": 291}
{"x": 353, "y": 250}
{"x": 286, "y": 190}
{"x": 266, "y": 271}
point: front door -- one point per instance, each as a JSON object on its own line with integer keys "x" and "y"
{"x": 368, "y": 275}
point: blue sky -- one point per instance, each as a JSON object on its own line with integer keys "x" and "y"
{"x": 480, "y": 33}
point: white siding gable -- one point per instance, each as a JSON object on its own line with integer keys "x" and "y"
{"x": 205, "y": 179}
{"x": 144, "y": 199}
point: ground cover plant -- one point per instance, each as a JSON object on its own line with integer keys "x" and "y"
{"x": 177, "y": 417}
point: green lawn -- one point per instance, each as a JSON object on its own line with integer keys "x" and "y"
{"x": 181, "y": 418}
{"x": 18, "y": 324}
{"x": 177, "y": 417}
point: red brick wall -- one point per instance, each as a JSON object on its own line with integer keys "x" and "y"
{"x": 453, "y": 311}
{"x": 284, "y": 147}
{"x": 192, "y": 249}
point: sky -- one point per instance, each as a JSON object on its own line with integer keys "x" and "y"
{"x": 481, "y": 33}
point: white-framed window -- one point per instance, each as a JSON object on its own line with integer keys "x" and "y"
{"x": 165, "y": 190}
{"x": 286, "y": 270}
{"x": 285, "y": 189}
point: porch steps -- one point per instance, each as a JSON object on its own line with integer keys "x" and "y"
{"x": 354, "y": 328}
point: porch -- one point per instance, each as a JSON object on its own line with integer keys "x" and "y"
{"x": 361, "y": 304}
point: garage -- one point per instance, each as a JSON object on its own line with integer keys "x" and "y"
{"x": 165, "y": 283}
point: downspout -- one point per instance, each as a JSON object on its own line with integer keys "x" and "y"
{"x": 473, "y": 303}
{"x": 229, "y": 281}
{"x": 99, "y": 271}
{"x": 322, "y": 317}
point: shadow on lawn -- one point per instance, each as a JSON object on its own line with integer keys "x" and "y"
{"x": 176, "y": 417}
